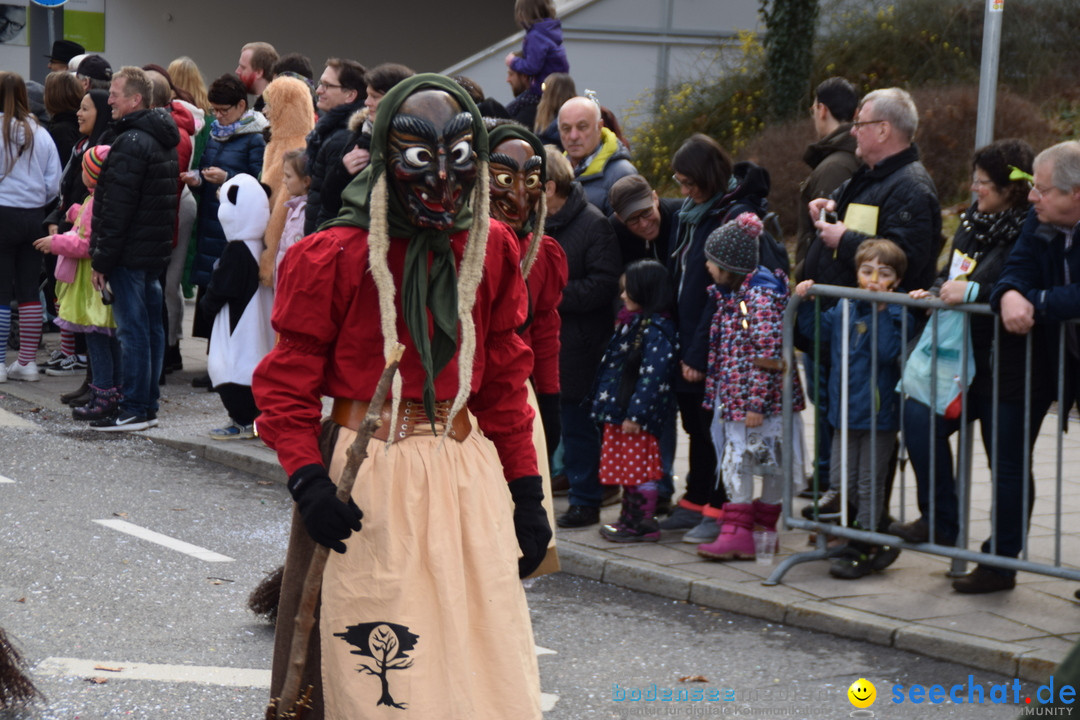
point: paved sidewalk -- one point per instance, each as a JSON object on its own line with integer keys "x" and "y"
{"x": 911, "y": 606}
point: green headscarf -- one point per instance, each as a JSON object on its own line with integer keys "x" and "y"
{"x": 421, "y": 290}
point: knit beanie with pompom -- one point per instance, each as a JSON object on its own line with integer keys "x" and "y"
{"x": 93, "y": 159}
{"x": 734, "y": 245}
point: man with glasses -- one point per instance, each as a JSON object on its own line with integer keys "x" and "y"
{"x": 341, "y": 91}
{"x": 891, "y": 196}
{"x": 643, "y": 221}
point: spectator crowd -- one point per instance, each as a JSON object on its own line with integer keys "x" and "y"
{"x": 138, "y": 185}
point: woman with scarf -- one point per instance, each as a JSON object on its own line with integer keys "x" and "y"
{"x": 428, "y": 587}
{"x": 982, "y": 243}
{"x": 703, "y": 171}
{"x": 236, "y": 145}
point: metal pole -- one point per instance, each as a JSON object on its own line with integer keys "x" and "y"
{"x": 988, "y": 72}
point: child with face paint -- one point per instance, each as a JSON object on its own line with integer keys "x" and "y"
{"x": 872, "y": 408}
{"x": 744, "y": 382}
{"x": 632, "y": 399}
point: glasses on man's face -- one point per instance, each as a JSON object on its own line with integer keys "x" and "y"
{"x": 684, "y": 182}
{"x": 328, "y": 86}
{"x": 859, "y": 123}
{"x": 639, "y": 217}
{"x": 218, "y": 110}
{"x": 1039, "y": 192}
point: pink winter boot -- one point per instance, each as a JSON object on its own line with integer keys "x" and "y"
{"x": 736, "y": 541}
{"x": 766, "y": 515}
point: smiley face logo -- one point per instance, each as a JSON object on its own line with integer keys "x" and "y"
{"x": 862, "y": 693}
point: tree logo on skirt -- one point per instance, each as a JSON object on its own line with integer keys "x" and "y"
{"x": 388, "y": 645}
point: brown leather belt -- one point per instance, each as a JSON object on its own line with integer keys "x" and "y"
{"x": 411, "y": 420}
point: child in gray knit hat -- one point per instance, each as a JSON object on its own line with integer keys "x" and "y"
{"x": 744, "y": 381}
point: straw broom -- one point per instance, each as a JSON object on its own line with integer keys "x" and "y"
{"x": 16, "y": 688}
{"x": 293, "y": 704}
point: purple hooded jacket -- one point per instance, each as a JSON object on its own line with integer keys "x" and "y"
{"x": 542, "y": 52}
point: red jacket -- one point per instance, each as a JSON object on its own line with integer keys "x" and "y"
{"x": 326, "y": 311}
{"x": 546, "y": 281}
{"x": 185, "y": 123}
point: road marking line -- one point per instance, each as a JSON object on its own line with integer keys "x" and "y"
{"x": 206, "y": 675}
{"x": 544, "y": 651}
{"x": 5, "y": 480}
{"x": 547, "y": 701}
{"x": 12, "y": 420}
{"x": 169, "y": 542}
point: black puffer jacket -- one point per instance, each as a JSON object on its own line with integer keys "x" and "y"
{"x": 587, "y": 308}
{"x": 135, "y": 203}
{"x": 325, "y": 146}
{"x": 908, "y": 213}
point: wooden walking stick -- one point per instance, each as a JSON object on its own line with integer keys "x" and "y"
{"x": 292, "y": 705}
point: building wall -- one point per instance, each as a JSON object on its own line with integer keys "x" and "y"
{"x": 424, "y": 34}
{"x": 624, "y": 49}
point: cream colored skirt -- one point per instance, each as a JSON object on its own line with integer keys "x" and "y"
{"x": 424, "y": 616}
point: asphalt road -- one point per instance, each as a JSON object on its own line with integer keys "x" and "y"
{"x": 154, "y": 624}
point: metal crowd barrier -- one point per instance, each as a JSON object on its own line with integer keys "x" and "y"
{"x": 960, "y": 554}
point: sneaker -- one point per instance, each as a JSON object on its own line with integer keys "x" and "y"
{"x": 705, "y": 531}
{"x": 681, "y": 518}
{"x": 850, "y": 564}
{"x": 151, "y": 419}
{"x": 234, "y": 431}
{"x": 55, "y": 358}
{"x": 201, "y": 381}
{"x": 28, "y": 372}
{"x": 124, "y": 422}
{"x": 884, "y": 556}
{"x": 828, "y": 507}
{"x": 70, "y": 365}
{"x": 983, "y": 580}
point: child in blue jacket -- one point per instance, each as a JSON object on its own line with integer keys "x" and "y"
{"x": 632, "y": 398}
{"x": 872, "y": 408}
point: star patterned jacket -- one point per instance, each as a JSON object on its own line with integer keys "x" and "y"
{"x": 634, "y": 381}
{"x": 747, "y": 325}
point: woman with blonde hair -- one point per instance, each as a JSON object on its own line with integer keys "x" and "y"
{"x": 186, "y": 76}
{"x": 557, "y": 89}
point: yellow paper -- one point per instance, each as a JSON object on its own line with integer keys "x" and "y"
{"x": 961, "y": 266}
{"x": 861, "y": 218}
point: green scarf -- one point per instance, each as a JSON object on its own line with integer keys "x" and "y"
{"x": 423, "y": 290}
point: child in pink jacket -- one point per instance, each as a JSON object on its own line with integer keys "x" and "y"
{"x": 81, "y": 308}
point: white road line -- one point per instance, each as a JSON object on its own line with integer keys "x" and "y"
{"x": 5, "y": 480}
{"x": 547, "y": 701}
{"x": 169, "y": 542}
{"x": 206, "y": 675}
{"x": 544, "y": 651}
{"x": 8, "y": 419}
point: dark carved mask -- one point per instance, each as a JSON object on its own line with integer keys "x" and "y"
{"x": 430, "y": 162}
{"x": 515, "y": 183}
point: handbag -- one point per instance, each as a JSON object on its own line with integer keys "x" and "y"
{"x": 949, "y": 380}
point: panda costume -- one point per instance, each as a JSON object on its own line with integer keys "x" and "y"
{"x": 239, "y": 304}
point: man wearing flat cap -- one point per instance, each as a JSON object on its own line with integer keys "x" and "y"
{"x": 94, "y": 72}
{"x": 643, "y": 222}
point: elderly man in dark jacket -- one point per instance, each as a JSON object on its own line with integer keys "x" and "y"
{"x": 135, "y": 210}
{"x": 588, "y": 319}
{"x": 891, "y": 196}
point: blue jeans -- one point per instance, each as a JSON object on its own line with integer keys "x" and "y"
{"x": 137, "y": 310}
{"x": 1009, "y": 522}
{"x": 106, "y": 365}
{"x": 581, "y": 454}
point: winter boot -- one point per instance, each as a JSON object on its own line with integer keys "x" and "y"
{"x": 766, "y": 515}
{"x": 736, "y": 541}
{"x": 638, "y": 521}
{"x": 102, "y": 404}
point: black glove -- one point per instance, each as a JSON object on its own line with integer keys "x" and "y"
{"x": 530, "y": 522}
{"x": 551, "y": 417}
{"x": 327, "y": 519}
